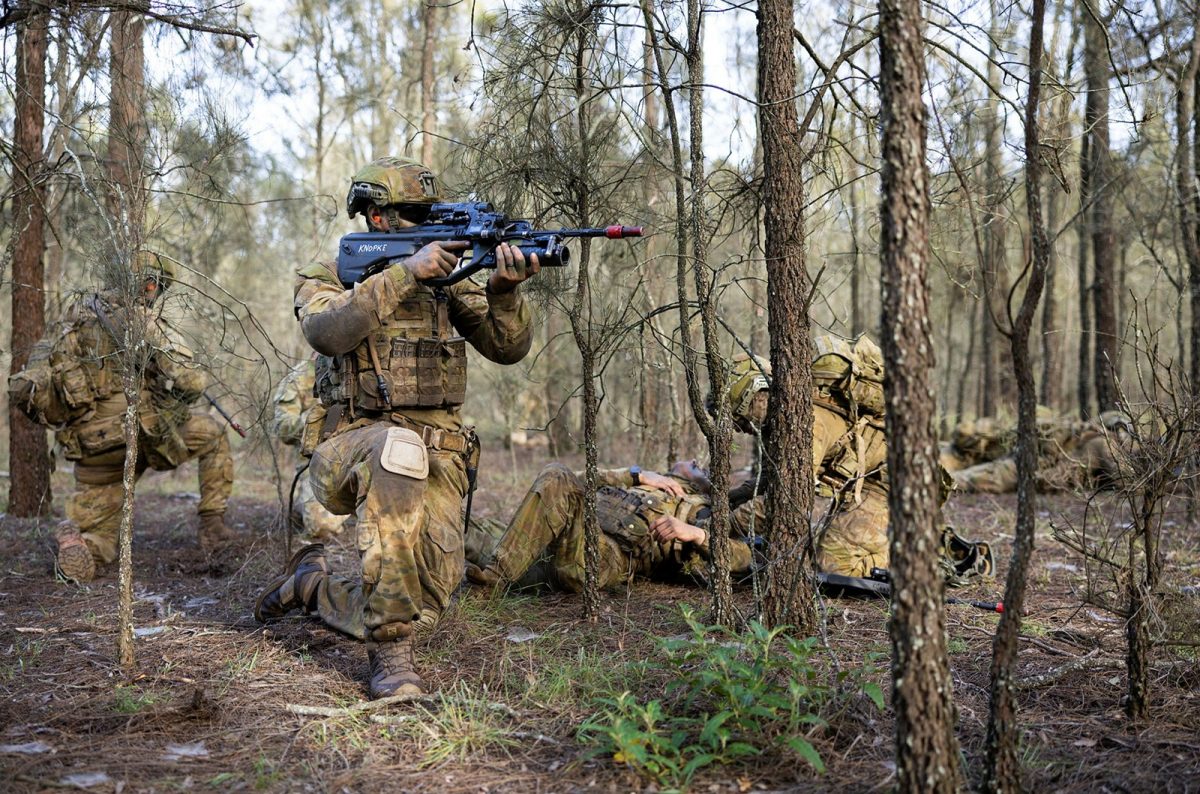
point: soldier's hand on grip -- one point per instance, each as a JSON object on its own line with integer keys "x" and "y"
{"x": 511, "y": 269}
{"x": 435, "y": 260}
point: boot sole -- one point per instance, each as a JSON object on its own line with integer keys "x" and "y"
{"x": 75, "y": 563}
{"x": 275, "y": 584}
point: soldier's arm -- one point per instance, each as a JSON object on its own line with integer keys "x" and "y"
{"x": 289, "y": 419}
{"x": 335, "y": 319}
{"x": 667, "y": 528}
{"x": 498, "y": 325}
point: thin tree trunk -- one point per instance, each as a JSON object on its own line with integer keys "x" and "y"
{"x": 968, "y": 366}
{"x": 429, "y": 22}
{"x": 789, "y": 589}
{"x": 719, "y": 432}
{"x": 994, "y": 220}
{"x": 856, "y": 263}
{"x": 28, "y": 453}
{"x": 1083, "y": 384}
{"x": 926, "y": 748}
{"x": 1096, "y": 65}
{"x": 132, "y": 383}
{"x": 1188, "y": 198}
{"x": 1003, "y": 764}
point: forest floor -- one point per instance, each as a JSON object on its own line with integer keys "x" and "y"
{"x": 210, "y": 706}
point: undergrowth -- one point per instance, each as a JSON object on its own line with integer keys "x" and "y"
{"x": 731, "y": 696}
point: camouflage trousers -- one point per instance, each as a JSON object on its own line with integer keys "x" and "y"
{"x": 995, "y": 476}
{"x": 408, "y": 532}
{"x": 544, "y": 543}
{"x": 95, "y": 506}
{"x": 311, "y": 522}
{"x": 856, "y": 539}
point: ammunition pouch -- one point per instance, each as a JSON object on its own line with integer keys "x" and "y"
{"x": 418, "y": 373}
{"x": 87, "y": 439}
{"x": 625, "y": 515}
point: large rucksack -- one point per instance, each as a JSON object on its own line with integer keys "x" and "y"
{"x": 849, "y": 374}
{"x": 58, "y": 385}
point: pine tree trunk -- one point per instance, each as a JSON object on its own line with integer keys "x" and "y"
{"x": 1003, "y": 765}
{"x": 1096, "y": 65}
{"x": 28, "y": 453}
{"x": 789, "y": 589}
{"x": 926, "y": 748}
{"x": 127, "y": 129}
{"x": 429, "y": 22}
{"x": 1083, "y": 382}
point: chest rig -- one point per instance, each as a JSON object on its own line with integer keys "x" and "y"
{"x": 412, "y": 360}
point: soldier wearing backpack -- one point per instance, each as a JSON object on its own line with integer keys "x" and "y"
{"x": 73, "y": 384}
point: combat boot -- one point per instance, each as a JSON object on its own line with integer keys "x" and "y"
{"x": 214, "y": 535}
{"x": 296, "y": 586}
{"x": 393, "y": 668}
{"x": 487, "y": 577}
{"x": 74, "y": 559}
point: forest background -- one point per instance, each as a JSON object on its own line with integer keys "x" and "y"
{"x": 252, "y": 149}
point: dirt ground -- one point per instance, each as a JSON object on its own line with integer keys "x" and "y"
{"x": 209, "y": 707}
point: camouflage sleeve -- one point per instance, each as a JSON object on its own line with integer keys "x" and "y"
{"x": 740, "y": 556}
{"x": 335, "y": 319}
{"x": 174, "y": 366}
{"x": 288, "y": 422}
{"x": 497, "y": 325}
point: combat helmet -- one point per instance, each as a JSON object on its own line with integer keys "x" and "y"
{"x": 1116, "y": 421}
{"x": 392, "y": 180}
{"x": 750, "y": 375}
{"x": 147, "y": 263}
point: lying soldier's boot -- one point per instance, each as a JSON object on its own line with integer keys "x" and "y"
{"x": 296, "y": 586}
{"x": 484, "y": 577}
{"x": 214, "y": 535}
{"x": 393, "y": 668}
{"x": 74, "y": 559}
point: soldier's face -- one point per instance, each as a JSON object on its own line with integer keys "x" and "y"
{"x": 150, "y": 290}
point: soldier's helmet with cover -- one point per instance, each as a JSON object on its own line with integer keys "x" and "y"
{"x": 751, "y": 375}
{"x": 148, "y": 263}
{"x": 393, "y": 181}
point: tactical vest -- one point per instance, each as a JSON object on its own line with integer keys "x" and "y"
{"x": 413, "y": 352}
{"x": 625, "y": 514}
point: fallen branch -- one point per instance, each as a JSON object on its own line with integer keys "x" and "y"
{"x": 1086, "y": 661}
{"x": 382, "y": 703}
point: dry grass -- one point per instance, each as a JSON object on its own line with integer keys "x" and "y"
{"x": 207, "y": 708}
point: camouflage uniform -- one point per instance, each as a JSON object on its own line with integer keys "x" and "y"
{"x": 295, "y": 406}
{"x": 543, "y": 544}
{"x": 170, "y": 433}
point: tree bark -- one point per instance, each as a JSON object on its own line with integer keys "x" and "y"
{"x": 926, "y": 748}
{"x": 1188, "y": 198}
{"x": 28, "y": 452}
{"x": 127, "y": 131}
{"x": 1096, "y": 65}
{"x": 1002, "y": 771}
{"x": 788, "y": 589}
{"x": 1083, "y": 381}
{"x": 995, "y": 219}
{"x": 429, "y": 22}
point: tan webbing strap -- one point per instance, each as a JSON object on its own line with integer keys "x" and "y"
{"x": 443, "y": 315}
{"x": 435, "y": 438}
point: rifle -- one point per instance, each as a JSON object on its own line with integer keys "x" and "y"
{"x": 363, "y": 254}
{"x": 879, "y": 585}
{"x": 232, "y": 422}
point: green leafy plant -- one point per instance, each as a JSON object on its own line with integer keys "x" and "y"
{"x": 732, "y": 695}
